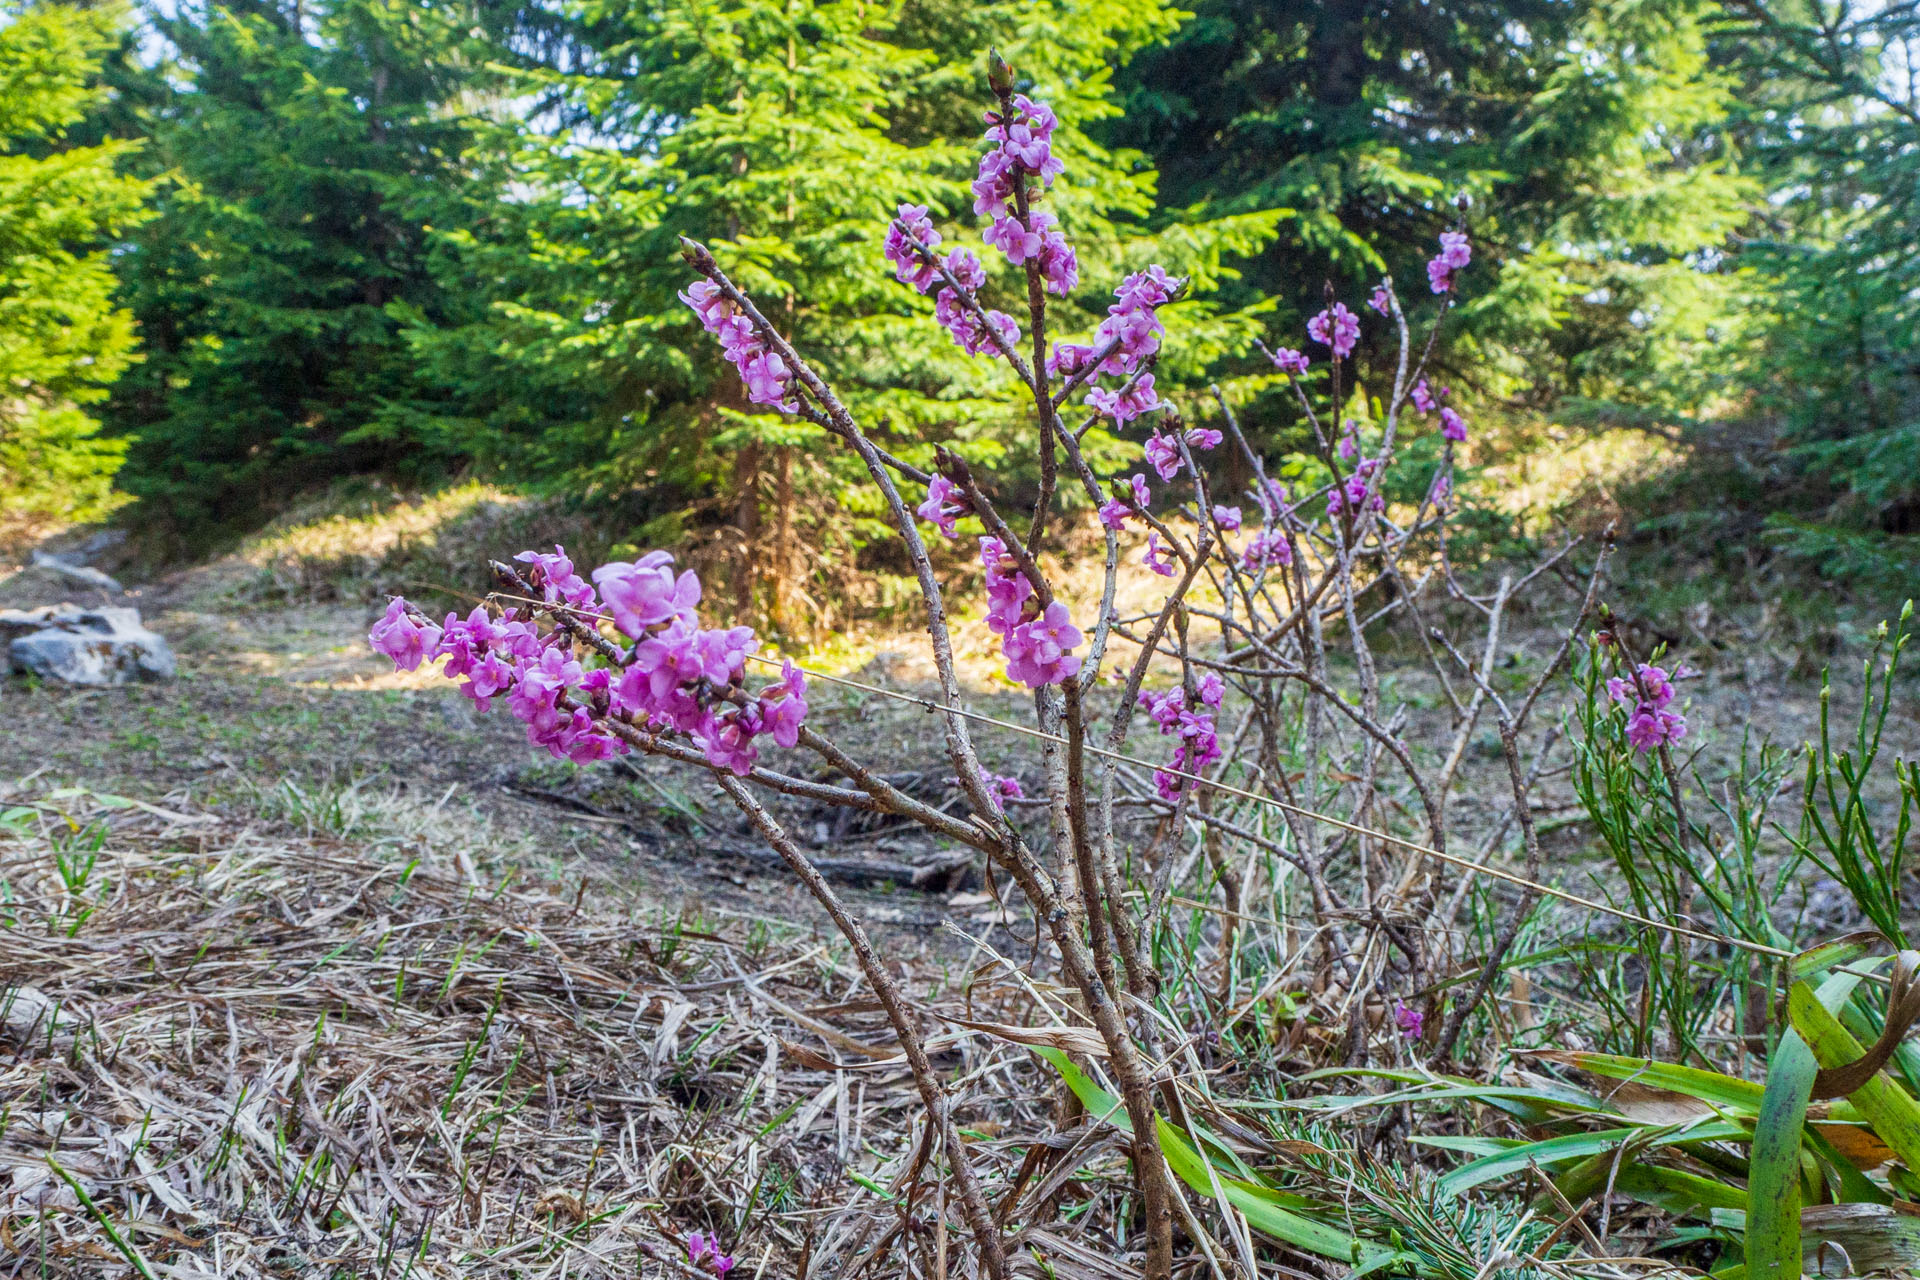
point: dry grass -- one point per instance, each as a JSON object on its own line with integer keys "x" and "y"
{"x": 259, "y": 1050}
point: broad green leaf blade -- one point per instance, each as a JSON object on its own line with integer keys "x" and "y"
{"x": 1573, "y": 1146}
{"x": 1674, "y": 1190}
{"x": 1741, "y": 1097}
{"x": 1843, "y": 950}
{"x": 1773, "y": 1179}
{"x": 1890, "y": 1109}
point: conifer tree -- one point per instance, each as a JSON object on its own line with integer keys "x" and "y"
{"x": 291, "y": 142}
{"x": 784, "y": 134}
{"x": 62, "y": 339}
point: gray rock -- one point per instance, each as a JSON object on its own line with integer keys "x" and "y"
{"x": 73, "y": 571}
{"x": 84, "y": 646}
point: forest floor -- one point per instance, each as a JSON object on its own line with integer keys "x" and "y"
{"x": 254, "y": 833}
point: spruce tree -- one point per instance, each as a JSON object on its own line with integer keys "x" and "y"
{"x": 62, "y": 339}
{"x": 290, "y": 142}
{"x": 784, "y": 135}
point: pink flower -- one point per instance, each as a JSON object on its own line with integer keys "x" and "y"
{"x": 965, "y": 267}
{"x": 646, "y": 594}
{"x": 1266, "y": 547}
{"x": 1068, "y": 358}
{"x": 1153, "y": 560}
{"x": 553, "y": 575}
{"x": 1059, "y": 264}
{"x": 1024, "y": 139}
{"x": 1202, "y": 437}
{"x": 1007, "y": 588}
{"x": 708, "y": 302}
{"x": 1381, "y": 300}
{"x": 1114, "y": 513}
{"x": 1649, "y": 727}
{"x": 1143, "y": 291}
{"x": 1162, "y": 708}
{"x": 721, "y": 656}
{"x": 1455, "y": 253}
{"x": 1287, "y": 360}
{"x": 400, "y": 637}
{"x": 1337, "y": 327}
{"x": 1227, "y": 518}
{"x": 1128, "y": 403}
{"x": 1199, "y": 744}
{"x": 1134, "y": 335}
{"x": 1141, "y": 494}
{"x": 1410, "y": 1021}
{"x": 767, "y": 378}
{"x": 1039, "y": 652}
{"x": 700, "y": 1247}
{"x": 1164, "y": 455}
{"x": 667, "y": 659}
{"x": 1423, "y": 397}
{"x": 728, "y": 741}
{"x": 1019, "y": 240}
{"x": 945, "y": 504}
{"x": 1452, "y": 425}
{"x": 1655, "y": 680}
{"x": 909, "y": 264}
{"x": 967, "y": 329}
{"x": 784, "y": 706}
{"x": 1210, "y": 688}
{"x": 485, "y": 679}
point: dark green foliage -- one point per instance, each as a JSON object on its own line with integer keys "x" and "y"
{"x": 1587, "y": 139}
{"x": 1835, "y": 124}
{"x": 62, "y": 339}
{"x": 291, "y": 145}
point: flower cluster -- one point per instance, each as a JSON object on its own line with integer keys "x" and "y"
{"x": 765, "y": 372}
{"x": 945, "y": 504}
{"x": 704, "y": 1251}
{"x": 1268, "y": 546}
{"x": 1114, "y": 511}
{"x": 1023, "y": 146}
{"x": 974, "y": 327}
{"x": 1455, "y": 253}
{"x": 1038, "y": 643}
{"x": 1336, "y": 327}
{"x": 1352, "y": 493}
{"x": 676, "y": 678}
{"x": 1287, "y": 360}
{"x": 1427, "y": 400}
{"x": 999, "y": 787}
{"x": 1650, "y": 721}
{"x": 1191, "y": 719}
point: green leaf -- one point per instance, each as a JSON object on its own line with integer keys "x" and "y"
{"x": 1572, "y": 1146}
{"x": 1773, "y": 1181}
{"x": 1742, "y": 1097}
{"x": 1257, "y": 1203}
{"x": 1887, "y": 1107}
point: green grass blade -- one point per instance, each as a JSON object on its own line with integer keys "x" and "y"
{"x": 1256, "y": 1203}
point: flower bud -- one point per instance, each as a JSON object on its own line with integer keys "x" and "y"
{"x": 999, "y": 74}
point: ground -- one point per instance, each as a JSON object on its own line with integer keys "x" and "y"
{"x": 207, "y": 878}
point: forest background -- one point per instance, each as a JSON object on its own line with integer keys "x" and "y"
{"x": 257, "y": 251}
